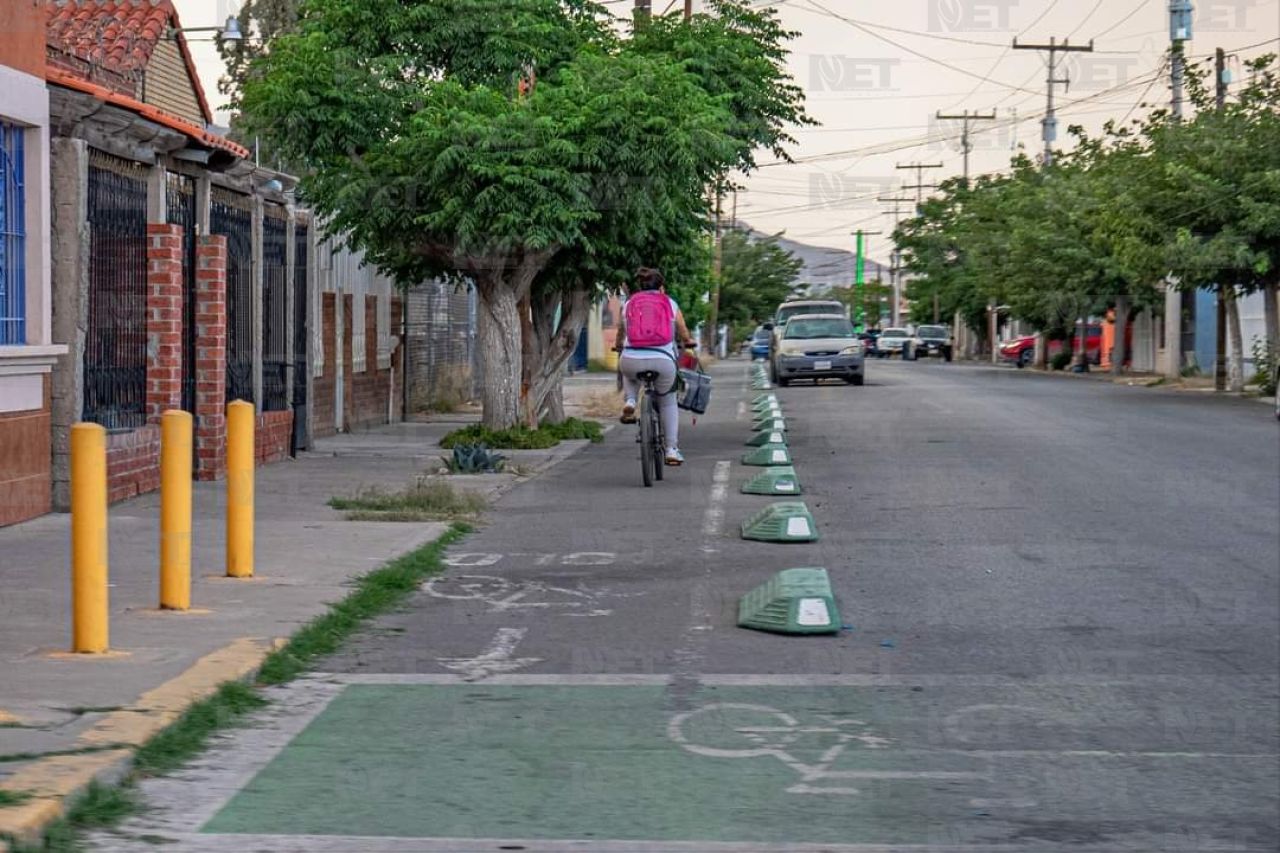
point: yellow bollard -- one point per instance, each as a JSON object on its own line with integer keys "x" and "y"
{"x": 175, "y": 510}
{"x": 89, "y": 622}
{"x": 240, "y": 427}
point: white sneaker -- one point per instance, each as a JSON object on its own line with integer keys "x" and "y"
{"x": 674, "y": 457}
{"x": 629, "y": 412}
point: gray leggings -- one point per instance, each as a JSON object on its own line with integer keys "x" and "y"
{"x": 665, "y": 367}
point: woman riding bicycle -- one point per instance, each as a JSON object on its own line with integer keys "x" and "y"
{"x": 651, "y": 323}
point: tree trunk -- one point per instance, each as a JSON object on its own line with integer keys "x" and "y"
{"x": 1120, "y": 351}
{"x": 1082, "y": 344}
{"x": 498, "y": 333}
{"x": 1271, "y": 315}
{"x": 1235, "y": 376}
{"x": 554, "y": 345}
{"x": 529, "y": 359}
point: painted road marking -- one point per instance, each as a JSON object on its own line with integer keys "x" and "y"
{"x": 1204, "y": 682}
{"x": 494, "y": 659}
{"x": 581, "y": 558}
{"x": 767, "y": 731}
{"x": 713, "y": 517}
{"x": 502, "y": 594}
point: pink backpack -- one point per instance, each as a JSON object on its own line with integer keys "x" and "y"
{"x": 650, "y": 320}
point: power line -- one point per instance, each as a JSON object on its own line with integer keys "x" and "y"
{"x": 858, "y": 26}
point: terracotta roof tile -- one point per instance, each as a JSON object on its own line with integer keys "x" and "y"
{"x": 118, "y": 36}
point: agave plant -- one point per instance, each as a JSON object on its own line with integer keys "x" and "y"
{"x": 475, "y": 459}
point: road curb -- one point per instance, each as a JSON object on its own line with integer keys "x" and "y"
{"x": 56, "y": 782}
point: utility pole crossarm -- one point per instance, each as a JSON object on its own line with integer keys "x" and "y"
{"x": 1049, "y": 123}
{"x": 965, "y": 144}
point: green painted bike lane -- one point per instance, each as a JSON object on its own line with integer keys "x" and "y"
{"x": 759, "y": 764}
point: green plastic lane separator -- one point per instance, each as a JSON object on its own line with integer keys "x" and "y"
{"x": 762, "y": 408}
{"x": 767, "y": 436}
{"x": 784, "y": 521}
{"x": 778, "y": 424}
{"x": 768, "y": 454}
{"x": 794, "y": 601}
{"x": 764, "y": 398}
{"x": 761, "y": 385}
{"x": 774, "y": 480}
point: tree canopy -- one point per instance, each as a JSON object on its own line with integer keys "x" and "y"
{"x": 520, "y": 144}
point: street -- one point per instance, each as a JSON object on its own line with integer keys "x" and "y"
{"x": 1060, "y": 607}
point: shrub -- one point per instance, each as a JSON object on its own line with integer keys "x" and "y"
{"x": 523, "y": 438}
{"x": 1061, "y": 360}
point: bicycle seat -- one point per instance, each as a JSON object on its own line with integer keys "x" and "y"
{"x": 647, "y": 375}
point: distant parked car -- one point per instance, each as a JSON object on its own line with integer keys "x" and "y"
{"x": 760, "y": 344}
{"x": 893, "y": 341}
{"x": 931, "y": 341}
{"x": 1022, "y": 351}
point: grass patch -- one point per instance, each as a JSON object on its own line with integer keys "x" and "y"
{"x": 425, "y": 500}
{"x": 13, "y": 798}
{"x": 103, "y": 806}
{"x": 376, "y": 592}
{"x": 175, "y": 745}
{"x": 523, "y": 438}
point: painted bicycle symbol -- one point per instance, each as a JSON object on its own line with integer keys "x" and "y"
{"x": 502, "y": 595}
{"x": 743, "y": 731}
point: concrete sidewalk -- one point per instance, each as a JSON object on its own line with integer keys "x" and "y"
{"x": 306, "y": 555}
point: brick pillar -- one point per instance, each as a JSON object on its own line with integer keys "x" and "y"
{"x": 211, "y": 357}
{"x": 164, "y": 319}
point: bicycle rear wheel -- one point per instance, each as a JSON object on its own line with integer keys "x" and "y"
{"x": 659, "y": 441}
{"x": 646, "y": 441}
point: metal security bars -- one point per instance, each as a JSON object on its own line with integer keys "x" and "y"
{"x": 13, "y": 237}
{"x": 231, "y": 215}
{"x": 180, "y": 208}
{"x": 275, "y": 319}
{"x": 115, "y": 352}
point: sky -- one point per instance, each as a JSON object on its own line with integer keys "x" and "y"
{"x": 875, "y": 74}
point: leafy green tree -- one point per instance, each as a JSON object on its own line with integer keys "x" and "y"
{"x": 485, "y": 140}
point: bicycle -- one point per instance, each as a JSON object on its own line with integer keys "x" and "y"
{"x": 651, "y": 437}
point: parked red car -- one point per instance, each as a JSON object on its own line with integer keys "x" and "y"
{"x": 1022, "y": 351}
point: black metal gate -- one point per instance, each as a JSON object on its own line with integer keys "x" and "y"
{"x": 180, "y": 207}
{"x": 115, "y": 351}
{"x": 231, "y": 215}
{"x": 275, "y": 317}
{"x": 301, "y": 329}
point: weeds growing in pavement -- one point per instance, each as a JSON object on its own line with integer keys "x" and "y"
{"x": 13, "y": 798}
{"x": 175, "y": 745}
{"x": 376, "y": 592}
{"x": 425, "y": 500}
{"x": 523, "y": 438}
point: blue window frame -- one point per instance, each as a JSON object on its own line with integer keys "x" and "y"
{"x": 13, "y": 236}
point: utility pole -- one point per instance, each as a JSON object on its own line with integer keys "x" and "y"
{"x": 919, "y": 186}
{"x": 1179, "y": 32}
{"x": 1220, "y": 356}
{"x": 716, "y": 261}
{"x": 641, "y": 13}
{"x": 860, "y": 275}
{"x": 895, "y": 260}
{"x": 1049, "y": 123}
{"x": 688, "y": 9}
{"x": 966, "y": 143}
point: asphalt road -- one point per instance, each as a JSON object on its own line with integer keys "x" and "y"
{"x": 1061, "y": 598}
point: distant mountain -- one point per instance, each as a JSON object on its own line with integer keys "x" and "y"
{"x": 825, "y": 267}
